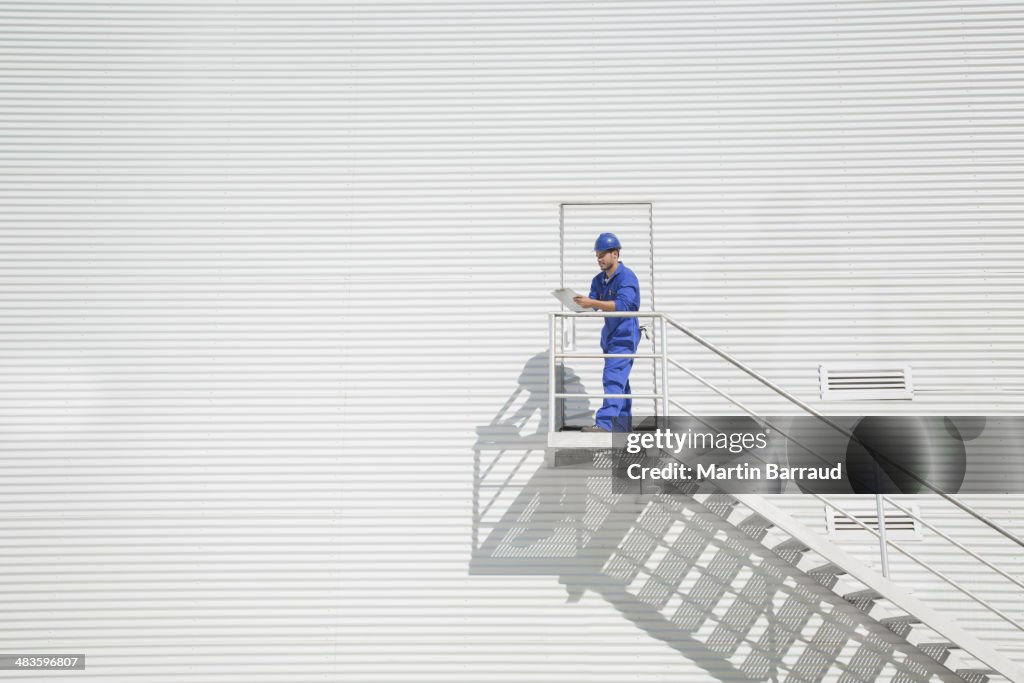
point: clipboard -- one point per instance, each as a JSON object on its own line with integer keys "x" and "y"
{"x": 565, "y": 295}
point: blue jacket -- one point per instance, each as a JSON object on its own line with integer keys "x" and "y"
{"x": 624, "y": 290}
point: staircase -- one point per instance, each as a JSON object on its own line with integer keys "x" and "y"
{"x": 876, "y": 629}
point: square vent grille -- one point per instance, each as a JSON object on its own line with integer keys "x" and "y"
{"x": 865, "y": 382}
{"x": 898, "y": 524}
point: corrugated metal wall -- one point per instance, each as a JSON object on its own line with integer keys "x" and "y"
{"x": 269, "y": 272}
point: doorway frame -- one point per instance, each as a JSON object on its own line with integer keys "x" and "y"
{"x": 561, "y": 283}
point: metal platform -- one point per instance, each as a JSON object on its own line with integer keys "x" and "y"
{"x": 577, "y": 439}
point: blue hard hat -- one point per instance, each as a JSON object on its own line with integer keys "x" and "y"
{"x": 606, "y": 241}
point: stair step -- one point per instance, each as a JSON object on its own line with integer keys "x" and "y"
{"x": 826, "y": 574}
{"x": 755, "y": 526}
{"x": 722, "y": 504}
{"x": 900, "y": 625}
{"x": 720, "y": 499}
{"x": 754, "y": 521}
{"x": 864, "y": 600}
{"x": 938, "y": 651}
{"x": 976, "y": 675}
{"x": 575, "y": 439}
{"x": 792, "y": 545}
{"x": 905, "y": 619}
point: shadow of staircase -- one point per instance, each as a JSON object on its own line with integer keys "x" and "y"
{"x": 701, "y": 571}
{"x": 693, "y": 571}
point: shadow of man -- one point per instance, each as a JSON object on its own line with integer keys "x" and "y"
{"x": 517, "y": 432}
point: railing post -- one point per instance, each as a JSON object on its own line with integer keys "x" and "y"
{"x": 552, "y": 387}
{"x": 664, "y": 371}
{"x": 883, "y": 548}
{"x": 655, "y": 339}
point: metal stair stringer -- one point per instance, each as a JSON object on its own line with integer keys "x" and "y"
{"x": 884, "y": 588}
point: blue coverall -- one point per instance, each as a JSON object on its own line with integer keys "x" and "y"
{"x": 619, "y": 335}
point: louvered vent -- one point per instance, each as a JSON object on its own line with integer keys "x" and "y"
{"x": 865, "y": 382}
{"x": 898, "y": 524}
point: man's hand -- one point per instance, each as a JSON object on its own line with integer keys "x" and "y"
{"x": 587, "y": 302}
{"x": 584, "y": 301}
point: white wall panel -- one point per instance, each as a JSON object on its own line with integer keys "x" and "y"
{"x": 266, "y": 270}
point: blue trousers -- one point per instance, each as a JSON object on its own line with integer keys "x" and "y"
{"x": 616, "y": 414}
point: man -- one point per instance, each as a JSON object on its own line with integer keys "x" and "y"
{"x": 614, "y": 289}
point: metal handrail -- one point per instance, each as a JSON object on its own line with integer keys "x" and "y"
{"x": 921, "y": 562}
{"x": 884, "y": 542}
{"x": 564, "y": 395}
{"x": 553, "y": 395}
{"x": 920, "y": 520}
{"x": 607, "y": 355}
{"x": 666, "y": 400}
{"x": 800, "y": 404}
